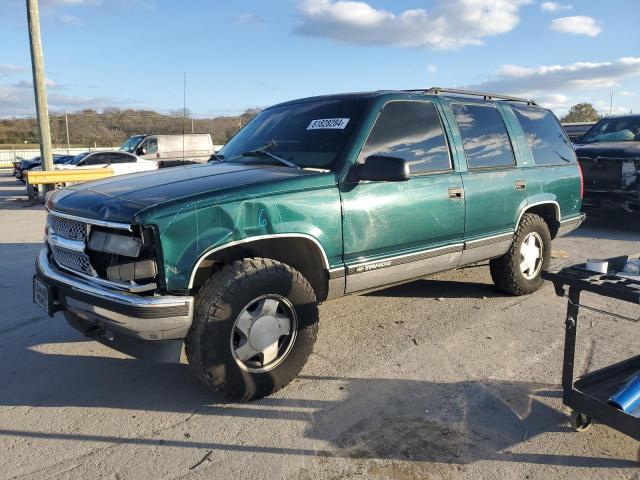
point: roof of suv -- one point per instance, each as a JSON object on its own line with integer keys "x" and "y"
{"x": 457, "y": 93}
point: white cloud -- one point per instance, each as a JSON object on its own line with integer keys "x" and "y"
{"x": 432, "y": 68}
{"x": 550, "y": 85}
{"x": 450, "y": 24}
{"x": 70, "y": 20}
{"x": 554, "y": 7}
{"x": 626, "y": 93}
{"x": 7, "y": 69}
{"x": 519, "y": 80}
{"x": 17, "y": 99}
{"x": 578, "y": 25}
{"x": 249, "y": 19}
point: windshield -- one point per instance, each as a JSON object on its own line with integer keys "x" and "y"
{"x": 310, "y": 134}
{"x": 78, "y": 158}
{"x": 621, "y": 129}
{"x": 131, "y": 143}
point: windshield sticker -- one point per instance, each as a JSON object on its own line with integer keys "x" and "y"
{"x": 328, "y": 124}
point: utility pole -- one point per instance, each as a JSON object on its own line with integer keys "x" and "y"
{"x": 610, "y": 103}
{"x": 39, "y": 87}
{"x": 66, "y": 124}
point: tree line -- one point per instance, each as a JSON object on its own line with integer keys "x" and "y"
{"x": 111, "y": 126}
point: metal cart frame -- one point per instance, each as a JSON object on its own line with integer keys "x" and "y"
{"x": 588, "y": 395}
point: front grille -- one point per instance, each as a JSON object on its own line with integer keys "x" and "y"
{"x": 66, "y": 228}
{"x": 77, "y": 261}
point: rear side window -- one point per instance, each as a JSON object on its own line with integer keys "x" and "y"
{"x": 548, "y": 143}
{"x": 484, "y": 136}
{"x": 121, "y": 158}
{"x": 412, "y": 131}
{"x": 97, "y": 159}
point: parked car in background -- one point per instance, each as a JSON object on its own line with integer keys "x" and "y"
{"x": 26, "y": 165}
{"x": 314, "y": 199}
{"x": 171, "y": 150}
{"x": 120, "y": 162}
{"x": 609, "y": 154}
{"x": 577, "y": 129}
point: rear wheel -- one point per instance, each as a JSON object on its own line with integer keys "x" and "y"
{"x": 254, "y": 327}
{"x": 518, "y": 271}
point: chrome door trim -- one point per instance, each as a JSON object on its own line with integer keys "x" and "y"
{"x": 400, "y": 259}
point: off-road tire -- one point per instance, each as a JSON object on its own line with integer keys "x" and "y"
{"x": 505, "y": 270}
{"x": 217, "y": 305}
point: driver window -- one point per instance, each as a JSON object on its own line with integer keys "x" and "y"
{"x": 410, "y": 130}
{"x": 151, "y": 145}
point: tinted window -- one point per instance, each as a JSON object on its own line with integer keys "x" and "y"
{"x": 548, "y": 143}
{"x": 121, "y": 158}
{"x": 411, "y": 131}
{"x": 96, "y": 159}
{"x": 484, "y": 136}
{"x": 309, "y": 134}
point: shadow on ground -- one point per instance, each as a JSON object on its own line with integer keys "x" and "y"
{"x": 13, "y": 194}
{"x": 394, "y": 419}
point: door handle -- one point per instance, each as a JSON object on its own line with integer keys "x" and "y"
{"x": 520, "y": 184}
{"x": 456, "y": 193}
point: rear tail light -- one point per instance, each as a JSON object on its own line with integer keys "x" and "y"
{"x": 581, "y": 181}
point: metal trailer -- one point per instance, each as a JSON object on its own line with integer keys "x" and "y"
{"x": 588, "y": 396}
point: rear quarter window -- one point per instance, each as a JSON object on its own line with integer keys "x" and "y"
{"x": 547, "y": 140}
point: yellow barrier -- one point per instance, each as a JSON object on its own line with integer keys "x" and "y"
{"x": 75, "y": 175}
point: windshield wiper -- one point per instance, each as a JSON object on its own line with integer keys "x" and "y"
{"x": 262, "y": 152}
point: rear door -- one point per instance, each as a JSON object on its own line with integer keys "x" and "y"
{"x": 395, "y": 231}
{"x": 494, "y": 184}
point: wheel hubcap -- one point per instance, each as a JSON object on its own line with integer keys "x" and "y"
{"x": 531, "y": 255}
{"x": 263, "y": 333}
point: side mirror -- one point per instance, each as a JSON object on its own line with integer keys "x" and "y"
{"x": 380, "y": 168}
{"x": 141, "y": 151}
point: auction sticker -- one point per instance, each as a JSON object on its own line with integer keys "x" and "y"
{"x": 328, "y": 124}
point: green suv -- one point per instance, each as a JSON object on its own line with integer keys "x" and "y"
{"x": 312, "y": 200}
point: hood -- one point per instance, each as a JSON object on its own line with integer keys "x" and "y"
{"x": 620, "y": 150}
{"x": 121, "y": 198}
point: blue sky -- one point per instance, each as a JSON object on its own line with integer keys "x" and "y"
{"x": 242, "y": 54}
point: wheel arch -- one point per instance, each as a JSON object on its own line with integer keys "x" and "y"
{"x": 300, "y": 251}
{"x": 549, "y": 210}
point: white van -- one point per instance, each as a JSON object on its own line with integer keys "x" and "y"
{"x": 170, "y": 150}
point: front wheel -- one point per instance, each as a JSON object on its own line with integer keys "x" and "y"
{"x": 254, "y": 327}
{"x": 518, "y": 271}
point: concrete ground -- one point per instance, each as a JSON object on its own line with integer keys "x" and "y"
{"x": 439, "y": 378}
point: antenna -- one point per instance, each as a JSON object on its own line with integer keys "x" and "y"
{"x": 184, "y": 107}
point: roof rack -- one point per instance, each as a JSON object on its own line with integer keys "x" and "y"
{"x": 471, "y": 93}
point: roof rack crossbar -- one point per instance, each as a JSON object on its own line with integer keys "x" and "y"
{"x": 471, "y": 93}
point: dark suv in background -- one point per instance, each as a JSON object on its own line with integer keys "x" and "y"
{"x": 609, "y": 154}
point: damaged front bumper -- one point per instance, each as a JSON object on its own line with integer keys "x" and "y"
{"x": 122, "y": 320}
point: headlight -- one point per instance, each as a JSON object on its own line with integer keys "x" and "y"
{"x": 108, "y": 242}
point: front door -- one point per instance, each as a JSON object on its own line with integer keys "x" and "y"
{"x": 394, "y": 231}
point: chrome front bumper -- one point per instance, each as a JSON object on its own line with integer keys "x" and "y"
{"x": 143, "y": 317}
